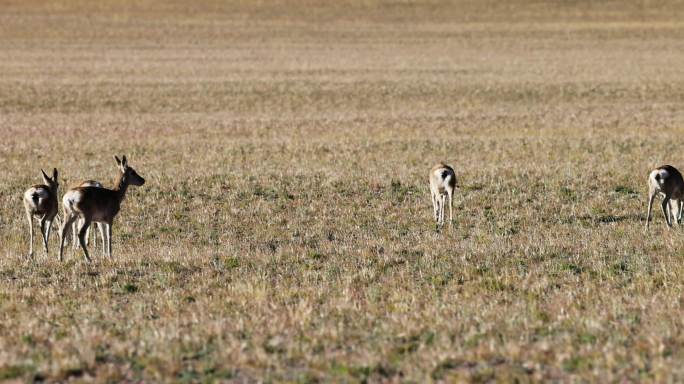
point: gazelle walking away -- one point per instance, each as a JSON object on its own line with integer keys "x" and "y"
{"x": 74, "y": 226}
{"x": 41, "y": 200}
{"x": 442, "y": 185}
{"x": 667, "y": 181}
{"x": 100, "y": 205}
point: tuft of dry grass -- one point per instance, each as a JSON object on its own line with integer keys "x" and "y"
{"x": 285, "y": 230}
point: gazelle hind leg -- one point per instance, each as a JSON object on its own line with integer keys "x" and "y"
{"x": 30, "y": 223}
{"x": 674, "y": 211}
{"x": 666, "y": 208}
{"x": 651, "y": 197}
{"x": 74, "y": 234}
{"x": 442, "y": 205}
{"x": 101, "y": 228}
{"x": 82, "y": 231}
{"x": 47, "y": 233}
{"x": 69, "y": 219}
{"x": 42, "y": 232}
{"x": 97, "y": 226}
{"x": 451, "y": 207}
{"x": 434, "y": 206}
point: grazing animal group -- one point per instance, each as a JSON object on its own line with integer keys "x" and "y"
{"x": 88, "y": 202}
{"x": 665, "y": 181}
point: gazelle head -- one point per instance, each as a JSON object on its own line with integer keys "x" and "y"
{"x": 52, "y": 183}
{"x": 127, "y": 174}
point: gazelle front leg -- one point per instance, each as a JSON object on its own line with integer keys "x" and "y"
{"x": 109, "y": 239}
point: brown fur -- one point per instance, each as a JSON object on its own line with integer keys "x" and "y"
{"x": 100, "y": 205}
{"x": 442, "y": 180}
{"x": 667, "y": 181}
{"x": 44, "y": 207}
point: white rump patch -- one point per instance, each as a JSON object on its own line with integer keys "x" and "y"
{"x": 42, "y": 193}
{"x": 71, "y": 198}
{"x": 663, "y": 175}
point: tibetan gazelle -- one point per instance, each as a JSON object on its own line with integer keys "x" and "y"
{"x": 100, "y": 205}
{"x": 74, "y": 226}
{"x": 666, "y": 181}
{"x": 442, "y": 185}
{"x": 41, "y": 200}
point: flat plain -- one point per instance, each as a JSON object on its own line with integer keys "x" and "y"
{"x": 285, "y": 231}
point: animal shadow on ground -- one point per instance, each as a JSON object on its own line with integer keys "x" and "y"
{"x": 603, "y": 219}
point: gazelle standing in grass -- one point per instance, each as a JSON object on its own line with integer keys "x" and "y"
{"x": 74, "y": 226}
{"x": 41, "y": 200}
{"x": 100, "y": 205}
{"x": 667, "y": 181}
{"x": 442, "y": 185}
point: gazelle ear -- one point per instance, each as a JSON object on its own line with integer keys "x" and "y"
{"x": 46, "y": 179}
{"x": 124, "y": 162}
{"x": 54, "y": 174}
{"x": 118, "y": 162}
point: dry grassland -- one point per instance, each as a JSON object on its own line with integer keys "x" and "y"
{"x": 285, "y": 230}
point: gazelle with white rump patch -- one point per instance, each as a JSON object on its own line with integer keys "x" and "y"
{"x": 41, "y": 200}
{"x": 74, "y": 226}
{"x": 668, "y": 182}
{"x": 442, "y": 185}
{"x": 100, "y": 205}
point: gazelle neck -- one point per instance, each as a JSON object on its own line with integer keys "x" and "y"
{"x": 120, "y": 186}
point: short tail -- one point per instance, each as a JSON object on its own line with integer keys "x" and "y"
{"x": 35, "y": 197}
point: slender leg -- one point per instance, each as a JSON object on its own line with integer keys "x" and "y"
{"x": 69, "y": 219}
{"x": 30, "y": 222}
{"x": 97, "y": 226}
{"x": 109, "y": 239}
{"x": 434, "y": 205}
{"x": 679, "y": 214}
{"x": 42, "y": 232}
{"x": 82, "y": 231}
{"x": 650, "y": 206}
{"x": 451, "y": 207}
{"x": 47, "y": 234}
{"x": 74, "y": 234}
{"x": 101, "y": 228}
{"x": 442, "y": 205}
{"x": 666, "y": 207}
{"x": 674, "y": 211}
